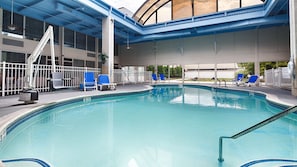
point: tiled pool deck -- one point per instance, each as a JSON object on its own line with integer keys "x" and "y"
{"x": 10, "y": 107}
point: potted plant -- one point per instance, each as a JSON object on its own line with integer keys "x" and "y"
{"x": 103, "y": 57}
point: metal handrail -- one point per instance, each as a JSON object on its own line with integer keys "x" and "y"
{"x": 252, "y": 128}
{"x": 38, "y": 161}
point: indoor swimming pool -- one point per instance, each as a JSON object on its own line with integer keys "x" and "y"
{"x": 169, "y": 126}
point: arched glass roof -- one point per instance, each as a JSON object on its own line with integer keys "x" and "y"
{"x": 147, "y": 9}
{"x": 188, "y": 8}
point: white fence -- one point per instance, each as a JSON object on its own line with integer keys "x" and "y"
{"x": 132, "y": 74}
{"x": 278, "y": 77}
{"x": 12, "y": 76}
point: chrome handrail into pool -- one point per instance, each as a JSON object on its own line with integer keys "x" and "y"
{"x": 252, "y": 128}
{"x": 38, "y": 161}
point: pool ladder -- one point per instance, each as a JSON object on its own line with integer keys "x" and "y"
{"x": 252, "y": 128}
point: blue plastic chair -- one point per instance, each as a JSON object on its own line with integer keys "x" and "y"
{"x": 162, "y": 77}
{"x": 104, "y": 84}
{"x": 252, "y": 80}
{"x": 239, "y": 79}
{"x": 154, "y": 77}
{"x": 89, "y": 81}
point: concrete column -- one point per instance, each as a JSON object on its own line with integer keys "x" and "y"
{"x": 61, "y": 44}
{"x": 168, "y": 73}
{"x": 108, "y": 46}
{"x": 1, "y": 36}
{"x": 293, "y": 16}
{"x": 256, "y": 61}
{"x": 96, "y": 52}
{"x": 216, "y": 73}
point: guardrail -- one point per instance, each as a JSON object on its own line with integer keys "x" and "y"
{"x": 252, "y": 128}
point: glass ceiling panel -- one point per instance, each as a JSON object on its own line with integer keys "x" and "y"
{"x": 147, "y": 9}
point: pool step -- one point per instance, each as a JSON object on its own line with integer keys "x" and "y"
{"x": 271, "y": 163}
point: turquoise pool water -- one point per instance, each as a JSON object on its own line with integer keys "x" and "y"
{"x": 167, "y": 127}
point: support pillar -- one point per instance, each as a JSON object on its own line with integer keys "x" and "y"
{"x": 293, "y": 42}
{"x": 256, "y": 61}
{"x": 108, "y": 46}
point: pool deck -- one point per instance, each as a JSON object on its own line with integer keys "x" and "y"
{"x": 10, "y": 107}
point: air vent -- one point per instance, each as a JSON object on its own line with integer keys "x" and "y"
{"x": 91, "y": 55}
{"x": 12, "y": 42}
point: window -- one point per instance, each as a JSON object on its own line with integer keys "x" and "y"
{"x": 100, "y": 45}
{"x": 90, "y": 64}
{"x": 78, "y": 63}
{"x": 67, "y": 62}
{"x": 250, "y": 2}
{"x": 228, "y": 4}
{"x": 80, "y": 41}
{"x": 13, "y": 57}
{"x": 49, "y": 60}
{"x": 41, "y": 60}
{"x": 181, "y": 9}
{"x": 17, "y": 20}
{"x": 34, "y": 29}
{"x": 56, "y": 32}
{"x": 91, "y": 43}
{"x": 202, "y": 7}
{"x": 68, "y": 37}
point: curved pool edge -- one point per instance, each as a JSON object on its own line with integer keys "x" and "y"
{"x": 271, "y": 98}
{"x": 10, "y": 121}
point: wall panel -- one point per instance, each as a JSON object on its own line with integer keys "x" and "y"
{"x": 269, "y": 44}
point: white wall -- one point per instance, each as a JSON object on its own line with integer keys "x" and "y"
{"x": 270, "y": 44}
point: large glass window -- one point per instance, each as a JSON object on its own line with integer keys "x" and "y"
{"x": 78, "y": 63}
{"x": 80, "y": 41}
{"x": 100, "y": 45}
{"x": 250, "y": 2}
{"x": 202, "y": 7}
{"x": 164, "y": 13}
{"x": 13, "y": 57}
{"x": 56, "y": 32}
{"x": 90, "y": 64}
{"x": 34, "y": 29}
{"x": 181, "y": 9}
{"x": 151, "y": 20}
{"x": 68, "y": 37}
{"x": 91, "y": 43}
{"x": 17, "y": 21}
{"x": 228, "y": 4}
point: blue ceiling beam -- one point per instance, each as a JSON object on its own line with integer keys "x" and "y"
{"x": 78, "y": 15}
{"x": 207, "y": 20}
{"x": 234, "y": 26}
{"x": 118, "y": 16}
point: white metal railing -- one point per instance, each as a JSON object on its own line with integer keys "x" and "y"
{"x": 12, "y": 76}
{"x": 278, "y": 77}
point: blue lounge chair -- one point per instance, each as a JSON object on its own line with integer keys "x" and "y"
{"x": 252, "y": 80}
{"x": 89, "y": 81}
{"x": 162, "y": 77}
{"x": 154, "y": 77}
{"x": 104, "y": 84}
{"x": 238, "y": 79}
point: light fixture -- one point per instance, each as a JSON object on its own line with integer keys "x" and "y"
{"x": 11, "y": 26}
